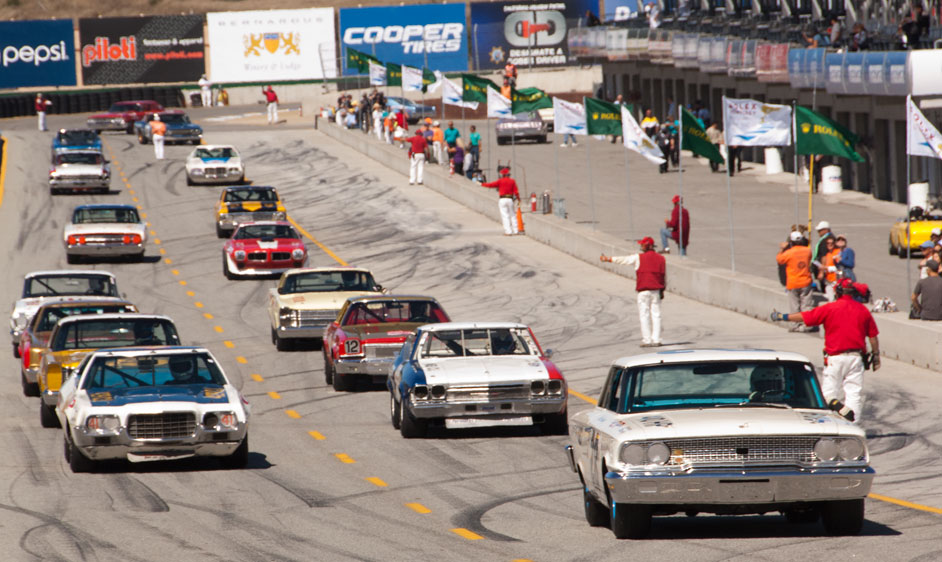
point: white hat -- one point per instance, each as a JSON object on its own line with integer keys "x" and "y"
{"x": 823, "y": 225}
{"x": 436, "y": 124}
{"x": 937, "y": 231}
{"x": 795, "y": 236}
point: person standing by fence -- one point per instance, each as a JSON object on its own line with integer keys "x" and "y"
{"x": 41, "y": 105}
{"x": 271, "y": 98}
{"x": 508, "y": 193}
{"x": 417, "y": 148}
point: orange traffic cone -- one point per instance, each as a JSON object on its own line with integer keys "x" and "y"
{"x": 520, "y": 228}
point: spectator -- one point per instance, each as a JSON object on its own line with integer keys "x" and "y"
{"x": 206, "y": 91}
{"x": 271, "y": 99}
{"x": 438, "y": 143}
{"x": 474, "y": 151}
{"x": 914, "y": 27}
{"x": 41, "y": 105}
{"x": 591, "y": 20}
{"x": 417, "y": 148}
{"x": 506, "y": 90}
{"x": 664, "y": 142}
{"x": 457, "y": 157}
{"x": 715, "y": 135}
{"x": 845, "y": 260}
{"x": 401, "y": 120}
{"x": 568, "y": 139}
{"x": 860, "y": 41}
{"x": 927, "y": 295}
{"x": 929, "y": 252}
{"x": 363, "y": 113}
{"x": 378, "y": 120}
{"x": 824, "y": 232}
{"x": 653, "y": 14}
{"x": 795, "y": 255}
{"x": 650, "y": 282}
{"x": 679, "y": 221}
{"x": 671, "y": 110}
{"x": 388, "y": 124}
{"x": 451, "y": 135}
{"x": 510, "y": 74}
{"x": 835, "y": 31}
{"x": 350, "y": 121}
{"x": 703, "y": 114}
{"x": 827, "y": 269}
{"x": 649, "y": 124}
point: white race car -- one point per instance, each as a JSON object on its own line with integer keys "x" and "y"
{"x": 104, "y": 231}
{"x": 152, "y": 404}
{"x": 214, "y": 163}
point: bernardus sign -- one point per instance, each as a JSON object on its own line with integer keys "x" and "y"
{"x": 421, "y": 36}
{"x": 524, "y": 33}
{"x": 36, "y": 53}
{"x": 144, "y": 49}
{"x": 272, "y": 45}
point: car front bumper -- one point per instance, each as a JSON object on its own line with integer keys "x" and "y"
{"x": 216, "y": 177}
{"x": 737, "y": 486}
{"x": 107, "y": 124}
{"x": 101, "y": 446}
{"x": 374, "y": 367}
{"x": 183, "y": 136}
{"x": 507, "y": 407}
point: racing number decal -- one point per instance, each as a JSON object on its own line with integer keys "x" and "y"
{"x": 351, "y": 347}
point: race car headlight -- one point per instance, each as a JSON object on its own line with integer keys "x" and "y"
{"x": 420, "y": 392}
{"x": 826, "y": 449}
{"x": 239, "y": 255}
{"x": 103, "y": 424}
{"x": 285, "y": 313}
{"x": 220, "y": 421}
{"x": 197, "y": 172}
{"x": 438, "y": 392}
{"x": 555, "y": 386}
{"x": 234, "y": 170}
{"x": 537, "y": 387}
{"x": 632, "y": 453}
{"x": 642, "y": 454}
{"x": 658, "y": 453}
{"x": 297, "y": 254}
{"x": 280, "y": 215}
{"x": 850, "y": 449}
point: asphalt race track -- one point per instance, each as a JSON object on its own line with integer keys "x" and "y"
{"x": 328, "y": 477}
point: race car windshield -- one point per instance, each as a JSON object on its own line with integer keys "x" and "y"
{"x": 388, "y": 312}
{"x": 79, "y": 158}
{"x": 152, "y": 370}
{"x": 98, "y": 334}
{"x": 77, "y": 137}
{"x": 473, "y": 343}
{"x": 50, "y": 316}
{"x": 210, "y": 153}
{"x": 714, "y": 384}
{"x": 175, "y": 118}
{"x": 240, "y": 195}
{"x": 272, "y": 231}
{"x": 92, "y": 215}
{"x": 69, "y": 285}
{"x": 328, "y": 281}
{"x": 122, "y": 107}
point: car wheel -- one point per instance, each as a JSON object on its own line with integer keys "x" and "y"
{"x": 241, "y": 180}
{"x": 97, "y": 131}
{"x": 802, "y": 516}
{"x": 129, "y": 129}
{"x": 221, "y": 232}
{"x": 225, "y": 268}
{"x": 596, "y": 515}
{"x": 239, "y": 458}
{"x": 343, "y": 383}
{"x": 77, "y": 461}
{"x": 542, "y": 139}
{"x": 141, "y": 138}
{"x": 501, "y": 141}
{"x": 328, "y": 370}
{"x": 29, "y": 388}
{"x": 16, "y": 351}
{"x": 844, "y": 517}
{"x": 630, "y": 521}
{"x": 47, "y": 415}
{"x": 188, "y": 180}
{"x": 556, "y": 424}
{"x": 281, "y": 344}
{"x": 409, "y": 426}
{"x": 394, "y": 412}
{"x": 893, "y": 249}
{"x": 903, "y": 252}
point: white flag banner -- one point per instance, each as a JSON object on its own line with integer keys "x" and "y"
{"x": 568, "y": 117}
{"x": 634, "y": 138}
{"x": 497, "y": 105}
{"x": 753, "y": 123}
{"x": 430, "y": 89}
{"x": 377, "y": 74}
{"x": 922, "y": 138}
{"x": 411, "y": 79}
{"x": 451, "y": 95}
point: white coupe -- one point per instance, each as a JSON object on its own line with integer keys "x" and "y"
{"x": 104, "y": 231}
{"x": 214, "y": 163}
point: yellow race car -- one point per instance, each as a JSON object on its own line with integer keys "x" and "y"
{"x": 239, "y": 204}
{"x": 921, "y": 230}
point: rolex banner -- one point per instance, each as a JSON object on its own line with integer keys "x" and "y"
{"x": 602, "y": 117}
{"x": 475, "y": 88}
{"x": 754, "y": 123}
{"x": 377, "y": 74}
{"x": 634, "y": 138}
{"x": 694, "y": 138}
{"x": 529, "y": 99}
{"x": 816, "y": 134}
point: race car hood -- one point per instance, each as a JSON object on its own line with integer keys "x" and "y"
{"x": 197, "y": 393}
{"x": 233, "y": 160}
{"x": 489, "y": 369}
{"x": 382, "y": 333}
{"x": 250, "y": 244}
{"x": 181, "y": 126}
{"x": 319, "y": 301}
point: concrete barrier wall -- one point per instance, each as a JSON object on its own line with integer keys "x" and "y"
{"x": 900, "y": 338}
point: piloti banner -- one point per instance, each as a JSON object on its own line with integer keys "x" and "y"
{"x": 142, "y": 49}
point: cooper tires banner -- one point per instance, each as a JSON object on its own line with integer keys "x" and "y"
{"x": 36, "y": 53}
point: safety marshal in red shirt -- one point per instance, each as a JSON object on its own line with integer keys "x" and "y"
{"x": 508, "y": 193}
{"x": 650, "y": 282}
{"x": 417, "y": 147}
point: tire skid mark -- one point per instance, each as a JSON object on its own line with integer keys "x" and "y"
{"x": 137, "y": 495}
{"x": 471, "y": 518}
{"x": 310, "y": 497}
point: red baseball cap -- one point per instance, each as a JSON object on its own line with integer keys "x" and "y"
{"x": 675, "y": 199}
{"x": 646, "y": 241}
{"x": 505, "y": 171}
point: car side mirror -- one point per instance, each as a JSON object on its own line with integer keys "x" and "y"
{"x": 548, "y": 353}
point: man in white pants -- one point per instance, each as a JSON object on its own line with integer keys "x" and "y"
{"x": 417, "y": 147}
{"x": 271, "y": 98}
{"x": 206, "y": 91}
{"x": 507, "y": 191}
{"x": 650, "y": 282}
{"x": 158, "y": 129}
{"x": 41, "y": 105}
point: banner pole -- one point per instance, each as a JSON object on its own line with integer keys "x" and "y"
{"x": 810, "y": 190}
{"x": 680, "y": 180}
{"x": 729, "y": 210}
{"x": 556, "y": 159}
{"x": 631, "y": 226}
{"x": 795, "y": 155}
{"x": 909, "y": 251}
{"x": 588, "y": 160}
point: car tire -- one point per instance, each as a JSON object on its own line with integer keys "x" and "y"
{"x": 98, "y": 131}
{"x": 241, "y": 180}
{"x": 343, "y": 383}
{"x": 225, "y": 268}
{"x": 394, "y": 410}
{"x": 141, "y": 139}
{"x": 16, "y": 351}
{"x": 222, "y": 232}
{"x": 893, "y": 249}
{"x": 281, "y": 344}
{"x": 804, "y": 516}
{"x": 129, "y": 129}
{"x": 188, "y": 180}
{"x": 409, "y": 426}
{"x": 239, "y": 458}
{"x": 77, "y": 461}
{"x": 556, "y": 424}
{"x": 47, "y": 416}
{"x": 328, "y": 371}
{"x": 30, "y": 389}
{"x": 501, "y": 141}
{"x": 596, "y": 514}
{"x": 542, "y": 139}
{"x": 630, "y": 521}
{"x": 843, "y": 517}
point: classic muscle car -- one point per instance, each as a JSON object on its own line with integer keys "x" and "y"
{"x": 40, "y": 286}
{"x": 307, "y": 300}
{"x": 152, "y": 404}
{"x": 522, "y": 126}
{"x": 475, "y": 374}
{"x": 179, "y": 128}
{"x": 104, "y": 231}
{"x": 73, "y": 338}
{"x": 265, "y": 248}
{"x": 34, "y": 340}
{"x": 76, "y": 139}
{"x": 122, "y": 115}
{"x": 921, "y": 226}
{"x": 214, "y": 164}
{"x": 368, "y": 333}
{"x": 79, "y": 170}
{"x": 241, "y": 204}
{"x": 413, "y": 111}
{"x": 717, "y": 431}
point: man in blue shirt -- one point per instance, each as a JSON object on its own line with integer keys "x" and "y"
{"x": 474, "y": 151}
{"x": 451, "y": 134}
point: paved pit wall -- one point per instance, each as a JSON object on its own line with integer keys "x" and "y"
{"x": 912, "y": 341}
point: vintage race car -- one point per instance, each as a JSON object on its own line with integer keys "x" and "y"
{"x": 307, "y": 300}
{"x": 122, "y": 115}
{"x": 104, "y": 231}
{"x": 152, "y": 404}
{"x": 522, "y": 126}
{"x": 920, "y": 231}
{"x": 76, "y": 139}
{"x": 263, "y": 248}
{"x": 179, "y": 128}
{"x": 475, "y": 374}
{"x": 41, "y": 286}
{"x": 368, "y": 333}
{"x": 73, "y": 338}
{"x": 717, "y": 431}
{"x": 414, "y": 111}
{"x": 214, "y": 164}
{"x": 241, "y": 204}
{"x": 79, "y": 170}
{"x": 34, "y": 340}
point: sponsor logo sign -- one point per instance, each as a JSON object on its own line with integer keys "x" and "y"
{"x": 143, "y": 49}
{"x": 36, "y": 53}
{"x": 525, "y": 33}
{"x": 621, "y": 10}
{"x": 429, "y": 36}
{"x": 272, "y": 45}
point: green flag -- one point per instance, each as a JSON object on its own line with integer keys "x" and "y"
{"x": 428, "y": 78}
{"x": 474, "y": 88}
{"x": 529, "y": 99}
{"x": 359, "y": 60}
{"x": 393, "y": 74}
{"x": 816, "y": 134}
{"x": 602, "y": 117}
{"x": 694, "y": 138}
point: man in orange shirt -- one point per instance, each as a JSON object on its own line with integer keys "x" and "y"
{"x": 438, "y": 143}
{"x": 796, "y": 257}
{"x": 158, "y": 129}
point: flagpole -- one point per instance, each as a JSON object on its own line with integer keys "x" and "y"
{"x": 795, "y": 154}
{"x": 631, "y": 225}
{"x": 588, "y": 161}
{"x": 729, "y": 194}
{"x": 810, "y": 190}
{"x": 909, "y": 251}
{"x": 556, "y": 158}
{"x": 680, "y": 176}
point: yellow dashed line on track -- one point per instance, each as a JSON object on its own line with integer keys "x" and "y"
{"x": 144, "y": 216}
{"x": 228, "y": 344}
{"x": 157, "y": 241}
{"x": 461, "y": 532}
{"x": 163, "y": 252}
{"x": 131, "y": 191}
{"x": 147, "y": 224}
{"x": 274, "y": 395}
{"x": 198, "y": 304}
{"x": 418, "y": 508}
{"x": 207, "y": 316}
{"x": 581, "y": 396}
{"x": 344, "y": 458}
{"x": 153, "y": 233}
{"x": 316, "y": 435}
{"x": 376, "y": 481}
{"x": 521, "y": 560}
{"x": 218, "y": 329}
{"x": 240, "y": 359}
{"x": 317, "y": 243}
{"x": 257, "y": 377}
{"x": 168, "y": 261}
{"x": 183, "y": 283}
{"x": 175, "y": 271}
{"x": 905, "y": 503}
{"x": 293, "y": 414}
{"x": 139, "y": 208}
{"x": 190, "y": 294}
{"x": 134, "y": 199}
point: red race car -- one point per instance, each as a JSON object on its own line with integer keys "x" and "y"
{"x": 263, "y": 248}
{"x": 122, "y": 115}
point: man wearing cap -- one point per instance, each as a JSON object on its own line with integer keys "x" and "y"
{"x": 847, "y": 324}
{"x": 824, "y": 232}
{"x": 42, "y": 104}
{"x": 507, "y": 191}
{"x": 417, "y": 147}
{"x": 927, "y": 295}
{"x": 438, "y": 143}
{"x": 679, "y": 221}
{"x": 796, "y": 257}
{"x": 158, "y": 129}
{"x": 650, "y": 281}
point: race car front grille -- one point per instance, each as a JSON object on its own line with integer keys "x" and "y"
{"x": 161, "y": 426}
{"x": 490, "y": 393}
{"x": 280, "y": 256}
{"x": 81, "y": 177}
{"x": 258, "y": 256}
{"x": 744, "y": 449}
{"x": 215, "y": 171}
{"x": 381, "y": 351}
{"x": 314, "y": 318}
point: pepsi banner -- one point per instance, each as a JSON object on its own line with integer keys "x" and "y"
{"x": 141, "y": 49}
{"x": 432, "y": 36}
{"x": 36, "y": 53}
{"x": 525, "y": 33}
{"x": 272, "y": 45}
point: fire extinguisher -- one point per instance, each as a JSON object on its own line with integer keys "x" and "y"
{"x": 451, "y": 167}
{"x": 532, "y": 202}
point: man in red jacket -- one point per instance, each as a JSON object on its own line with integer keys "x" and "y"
{"x": 650, "y": 281}
{"x": 677, "y": 227}
{"x": 271, "y": 99}
{"x": 507, "y": 190}
{"x": 41, "y": 105}
{"x": 417, "y": 148}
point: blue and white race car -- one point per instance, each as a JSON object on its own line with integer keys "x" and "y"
{"x": 214, "y": 163}
{"x": 76, "y": 139}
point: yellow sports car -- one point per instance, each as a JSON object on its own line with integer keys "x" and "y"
{"x": 922, "y": 227}
{"x": 241, "y": 204}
